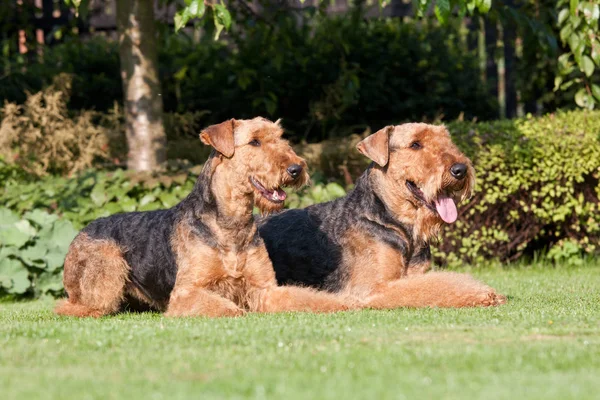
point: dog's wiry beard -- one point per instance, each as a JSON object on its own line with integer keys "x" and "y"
{"x": 263, "y": 197}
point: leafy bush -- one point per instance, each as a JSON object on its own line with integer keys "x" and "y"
{"x": 32, "y": 252}
{"x": 323, "y": 75}
{"x": 538, "y": 189}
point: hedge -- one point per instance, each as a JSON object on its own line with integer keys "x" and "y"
{"x": 323, "y": 76}
{"x": 537, "y": 195}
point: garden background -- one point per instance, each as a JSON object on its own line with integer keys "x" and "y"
{"x": 101, "y": 106}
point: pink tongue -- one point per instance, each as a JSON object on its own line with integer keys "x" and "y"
{"x": 446, "y": 208}
{"x": 279, "y": 194}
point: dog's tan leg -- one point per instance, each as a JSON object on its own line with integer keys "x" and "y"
{"x": 291, "y": 298}
{"x": 266, "y": 296}
{"x": 435, "y": 289}
{"x": 95, "y": 275}
{"x": 201, "y": 302}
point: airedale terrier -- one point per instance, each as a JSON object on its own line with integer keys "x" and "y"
{"x": 203, "y": 257}
{"x": 373, "y": 244}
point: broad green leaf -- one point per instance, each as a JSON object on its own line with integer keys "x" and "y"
{"x": 41, "y": 218}
{"x": 7, "y": 217}
{"x": 14, "y": 277}
{"x": 587, "y": 66}
{"x": 25, "y": 227}
{"x": 63, "y": 234}
{"x": 35, "y": 252}
{"x": 55, "y": 259}
{"x": 14, "y": 236}
{"x": 47, "y": 282}
{"x": 6, "y": 252}
{"x": 20, "y": 282}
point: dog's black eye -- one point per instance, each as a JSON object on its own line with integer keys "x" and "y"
{"x": 254, "y": 142}
{"x": 416, "y": 146}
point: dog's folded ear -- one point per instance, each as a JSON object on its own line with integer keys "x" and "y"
{"x": 220, "y": 137}
{"x": 376, "y": 146}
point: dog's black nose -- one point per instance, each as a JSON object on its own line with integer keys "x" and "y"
{"x": 294, "y": 170}
{"x": 458, "y": 170}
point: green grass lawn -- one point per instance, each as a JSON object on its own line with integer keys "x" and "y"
{"x": 544, "y": 344}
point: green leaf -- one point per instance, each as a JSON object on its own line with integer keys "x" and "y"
{"x": 16, "y": 234}
{"x": 196, "y": 8}
{"x": 557, "y": 82}
{"x": 596, "y": 91}
{"x": 442, "y": 10}
{"x": 575, "y": 43}
{"x": 566, "y": 32}
{"x": 181, "y": 18}
{"x": 63, "y": 234}
{"x": 14, "y": 277}
{"x": 222, "y": 15}
{"x": 55, "y": 259}
{"x": 41, "y": 218}
{"x": 471, "y": 6}
{"x": 98, "y": 195}
{"x": 485, "y": 6}
{"x": 168, "y": 199}
{"x": 573, "y": 6}
{"x": 563, "y": 15}
{"x": 47, "y": 282}
{"x": 35, "y": 252}
{"x": 7, "y": 217}
{"x": 587, "y": 65}
{"x": 335, "y": 190}
{"x": 596, "y": 52}
{"x": 149, "y": 198}
{"x": 583, "y": 99}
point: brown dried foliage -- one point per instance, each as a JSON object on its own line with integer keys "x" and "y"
{"x": 42, "y": 137}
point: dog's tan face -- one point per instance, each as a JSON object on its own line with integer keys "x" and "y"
{"x": 421, "y": 167}
{"x": 260, "y": 161}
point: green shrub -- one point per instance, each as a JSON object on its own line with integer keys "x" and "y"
{"x": 323, "y": 76}
{"x": 538, "y": 189}
{"x": 32, "y": 252}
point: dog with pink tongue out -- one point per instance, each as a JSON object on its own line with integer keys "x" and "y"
{"x": 371, "y": 247}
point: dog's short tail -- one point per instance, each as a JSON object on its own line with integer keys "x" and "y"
{"x": 435, "y": 289}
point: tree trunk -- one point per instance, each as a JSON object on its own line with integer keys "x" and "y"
{"x": 491, "y": 68}
{"x": 146, "y": 138}
{"x": 510, "y": 76}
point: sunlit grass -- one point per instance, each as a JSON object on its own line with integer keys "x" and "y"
{"x": 545, "y": 343}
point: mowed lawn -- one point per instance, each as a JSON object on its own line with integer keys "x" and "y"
{"x": 544, "y": 344}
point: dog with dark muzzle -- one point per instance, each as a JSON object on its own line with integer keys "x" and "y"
{"x": 372, "y": 246}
